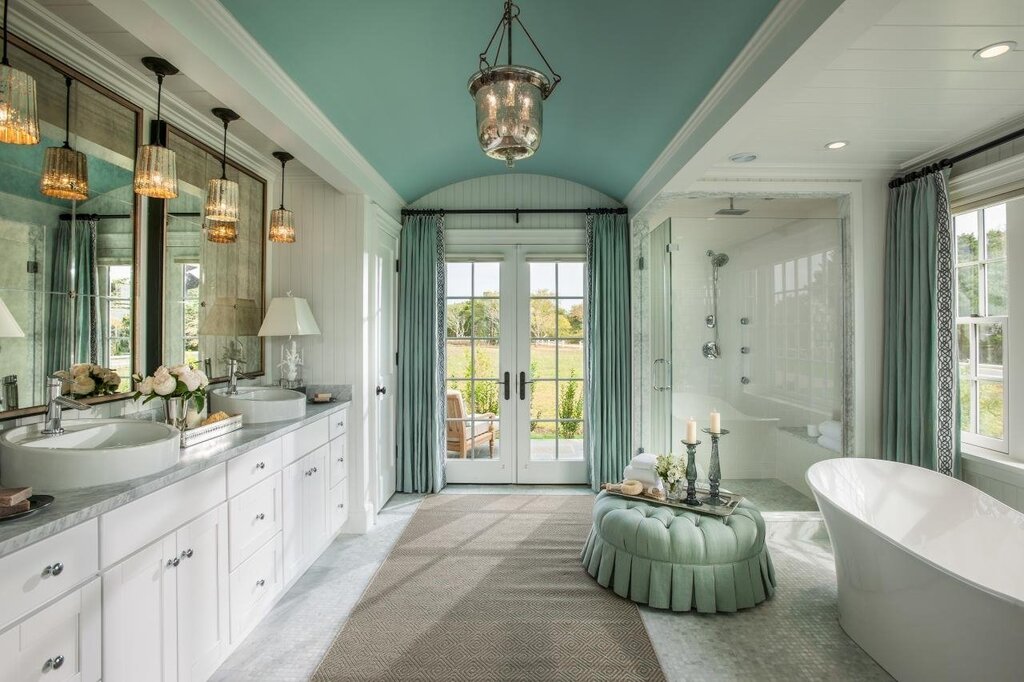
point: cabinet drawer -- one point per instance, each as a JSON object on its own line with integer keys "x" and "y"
{"x": 301, "y": 442}
{"x": 249, "y": 469}
{"x": 34, "y": 575}
{"x": 338, "y": 423}
{"x": 254, "y": 585}
{"x": 61, "y": 642}
{"x": 337, "y": 508}
{"x": 339, "y": 460}
{"x": 254, "y": 517}
{"x": 133, "y": 526}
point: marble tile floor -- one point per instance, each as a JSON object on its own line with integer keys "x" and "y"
{"x": 771, "y": 494}
{"x": 794, "y": 636}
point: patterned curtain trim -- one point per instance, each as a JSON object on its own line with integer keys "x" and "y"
{"x": 441, "y": 478}
{"x": 947, "y": 387}
{"x": 588, "y": 370}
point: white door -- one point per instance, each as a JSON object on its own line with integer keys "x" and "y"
{"x": 384, "y": 316}
{"x": 202, "y": 604}
{"x": 514, "y": 406}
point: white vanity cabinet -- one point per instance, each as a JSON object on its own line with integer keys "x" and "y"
{"x": 165, "y": 607}
{"x": 305, "y": 511}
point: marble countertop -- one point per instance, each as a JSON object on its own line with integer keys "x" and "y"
{"x": 72, "y": 507}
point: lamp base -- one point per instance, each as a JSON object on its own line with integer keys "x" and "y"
{"x": 294, "y": 385}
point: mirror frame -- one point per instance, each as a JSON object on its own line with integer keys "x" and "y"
{"x": 155, "y": 276}
{"x": 137, "y": 322}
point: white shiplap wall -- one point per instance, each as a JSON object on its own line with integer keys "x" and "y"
{"x": 515, "y": 190}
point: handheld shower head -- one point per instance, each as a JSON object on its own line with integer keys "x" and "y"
{"x": 717, "y": 259}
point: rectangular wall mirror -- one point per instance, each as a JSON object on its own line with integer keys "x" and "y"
{"x": 212, "y": 292}
{"x": 68, "y": 269}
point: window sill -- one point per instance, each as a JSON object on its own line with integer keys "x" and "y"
{"x": 998, "y": 464}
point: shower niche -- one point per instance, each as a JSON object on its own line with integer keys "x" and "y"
{"x": 739, "y": 307}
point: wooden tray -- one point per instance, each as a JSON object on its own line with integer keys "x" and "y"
{"x": 729, "y": 502}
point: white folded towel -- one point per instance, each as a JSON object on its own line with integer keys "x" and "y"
{"x": 645, "y": 460}
{"x": 645, "y": 476}
{"x": 832, "y": 429}
{"x": 832, "y": 444}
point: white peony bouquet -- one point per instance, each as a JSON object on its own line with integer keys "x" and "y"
{"x": 90, "y": 380}
{"x": 671, "y": 470}
{"x": 179, "y": 381}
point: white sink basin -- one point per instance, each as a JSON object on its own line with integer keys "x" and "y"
{"x": 89, "y": 452}
{"x": 259, "y": 404}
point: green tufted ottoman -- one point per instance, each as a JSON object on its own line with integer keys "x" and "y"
{"x": 671, "y": 558}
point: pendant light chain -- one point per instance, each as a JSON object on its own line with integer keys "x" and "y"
{"x": 159, "y": 94}
{"x": 224, "y": 154}
{"x": 67, "y": 114}
{"x": 283, "y": 162}
{"x": 5, "y": 61}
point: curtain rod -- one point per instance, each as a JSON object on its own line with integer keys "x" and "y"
{"x": 119, "y": 216}
{"x": 509, "y": 211}
{"x": 947, "y": 163}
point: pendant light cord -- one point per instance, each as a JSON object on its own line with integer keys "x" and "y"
{"x": 283, "y": 162}
{"x": 159, "y": 94}
{"x": 5, "y": 62}
{"x": 67, "y": 114}
{"x": 224, "y": 154}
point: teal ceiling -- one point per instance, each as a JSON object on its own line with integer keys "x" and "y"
{"x": 391, "y": 75}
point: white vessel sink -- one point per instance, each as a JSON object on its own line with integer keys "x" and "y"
{"x": 259, "y": 404}
{"x": 90, "y": 452}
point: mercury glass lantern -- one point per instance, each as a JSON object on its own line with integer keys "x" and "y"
{"x": 221, "y": 193}
{"x": 65, "y": 171}
{"x": 510, "y": 98}
{"x": 156, "y": 172}
{"x": 282, "y": 221}
{"x": 19, "y": 119}
{"x": 222, "y": 232}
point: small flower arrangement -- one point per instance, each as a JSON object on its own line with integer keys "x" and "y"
{"x": 88, "y": 381}
{"x": 179, "y": 381}
{"x": 671, "y": 470}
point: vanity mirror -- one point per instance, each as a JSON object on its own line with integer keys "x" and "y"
{"x": 212, "y": 271}
{"x": 68, "y": 267}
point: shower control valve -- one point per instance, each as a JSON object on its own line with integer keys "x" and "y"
{"x": 744, "y": 380}
{"x": 744, "y": 320}
{"x": 745, "y": 350}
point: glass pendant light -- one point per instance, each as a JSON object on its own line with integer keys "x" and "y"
{"x": 65, "y": 171}
{"x": 19, "y": 122}
{"x": 282, "y": 221}
{"x": 221, "y": 193}
{"x": 221, "y": 232}
{"x": 509, "y": 98}
{"x": 156, "y": 175}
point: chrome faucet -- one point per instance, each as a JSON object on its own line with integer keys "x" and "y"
{"x": 234, "y": 375}
{"x": 57, "y": 402}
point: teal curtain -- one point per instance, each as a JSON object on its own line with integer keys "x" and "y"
{"x": 609, "y": 348}
{"x": 421, "y": 362}
{"x": 920, "y": 402}
{"x": 72, "y": 320}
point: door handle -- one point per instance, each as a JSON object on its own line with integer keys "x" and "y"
{"x": 382, "y": 390}
{"x": 522, "y": 385}
{"x": 505, "y": 382}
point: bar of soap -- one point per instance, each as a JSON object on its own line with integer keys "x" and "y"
{"x": 12, "y": 496}
{"x": 322, "y": 397}
{"x": 15, "y": 508}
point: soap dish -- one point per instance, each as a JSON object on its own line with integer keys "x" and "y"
{"x": 322, "y": 402}
{"x": 36, "y": 502}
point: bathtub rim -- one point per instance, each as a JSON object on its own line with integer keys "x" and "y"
{"x": 1002, "y": 596}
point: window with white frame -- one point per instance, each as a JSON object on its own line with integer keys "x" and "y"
{"x": 190, "y": 278}
{"x": 982, "y": 309}
{"x": 116, "y": 314}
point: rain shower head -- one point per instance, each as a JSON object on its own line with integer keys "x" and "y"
{"x": 732, "y": 210}
{"x": 717, "y": 259}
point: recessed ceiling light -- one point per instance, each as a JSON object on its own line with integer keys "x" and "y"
{"x": 836, "y": 144}
{"x": 744, "y": 157}
{"x": 995, "y": 50}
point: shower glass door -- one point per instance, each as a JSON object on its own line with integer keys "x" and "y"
{"x": 659, "y": 365}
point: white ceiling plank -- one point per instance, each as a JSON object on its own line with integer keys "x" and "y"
{"x": 966, "y": 38}
{"x": 887, "y": 97}
{"x": 918, "y": 79}
{"x": 927, "y": 60}
{"x": 956, "y": 13}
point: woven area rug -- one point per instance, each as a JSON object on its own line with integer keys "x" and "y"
{"x": 489, "y": 587}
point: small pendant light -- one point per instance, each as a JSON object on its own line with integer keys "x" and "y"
{"x": 282, "y": 221}
{"x": 19, "y": 122}
{"x": 221, "y": 193}
{"x": 156, "y": 174}
{"x": 221, "y": 232}
{"x": 65, "y": 171}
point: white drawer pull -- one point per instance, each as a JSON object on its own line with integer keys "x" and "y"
{"x": 187, "y": 554}
{"x": 261, "y": 465}
{"x": 260, "y": 516}
{"x": 55, "y": 569}
{"x": 341, "y": 424}
{"x": 54, "y": 663}
{"x": 173, "y": 563}
{"x": 341, "y": 506}
{"x": 261, "y": 582}
{"x": 341, "y": 459}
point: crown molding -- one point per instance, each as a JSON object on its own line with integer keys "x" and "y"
{"x": 210, "y": 46}
{"x": 63, "y": 41}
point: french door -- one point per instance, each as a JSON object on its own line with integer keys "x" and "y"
{"x": 515, "y": 320}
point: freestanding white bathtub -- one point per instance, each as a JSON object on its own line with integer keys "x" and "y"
{"x": 930, "y": 570}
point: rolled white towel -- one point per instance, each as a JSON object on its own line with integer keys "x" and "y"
{"x": 645, "y": 476}
{"x": 832, "y": 444}
{"x": 831, "y": 429}
{"x": 645, "y": 460}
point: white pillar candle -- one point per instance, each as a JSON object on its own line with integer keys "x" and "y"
{"x": 716, "y": 422}
{"x": 691, "y": 430}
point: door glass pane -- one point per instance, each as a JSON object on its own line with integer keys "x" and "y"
{"x": 570, "y": 359}
{"x": 485, "y": 279}
{"x": 966, "y": 237}
{"x": 570, "y": 441}
{"x": 990, "y": 408}
{"x": 542, "y": 279}
{"x": 995, "y": 231}
{"x": 459, "y": 280}
{"x": 543, "y": 355}
{"x": 542, "y": 318}
{"x": 570, "y": 279}
{"x": 542, "y": 400}
{"x": 570, "y": 318}
{"x": 967, "y": 287}
{"x": 458, "y": 317}
{"x": 995, "y": 286}
{"x": 485, "y": 314}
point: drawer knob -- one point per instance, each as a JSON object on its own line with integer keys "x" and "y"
{"x": 341, "y": 424}
{"x": 56, "y": 568}
{"x": 260, "y": 516}
{"x": 309, "y": 472}
{"x": 314, "y": 470}
{"x": 173, "y": 562}
{"x": 261, "y": 582}
{"x": 187, "y": 554}
{"x": 341, "y": 506}
{"x": 54, "y": 663}
{"x": 261, "y": 465}
{"x": 341, "y": 459}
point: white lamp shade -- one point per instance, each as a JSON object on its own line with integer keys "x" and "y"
{"x": 289, "y": 316}
{"x": 9, "y": 327}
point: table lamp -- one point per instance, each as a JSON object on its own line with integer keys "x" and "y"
{"x": 289, "y": 316}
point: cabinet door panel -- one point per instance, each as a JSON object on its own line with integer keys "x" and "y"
{"x": 339, "y": 460}
{"x": 202, "y": 600}
{"x": 314, "y": 509}
{"x": 139, "y": 616}
{"x": 292, "y": 491}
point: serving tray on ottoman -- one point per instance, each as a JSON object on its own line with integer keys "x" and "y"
{"x": 729, "y": 502}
